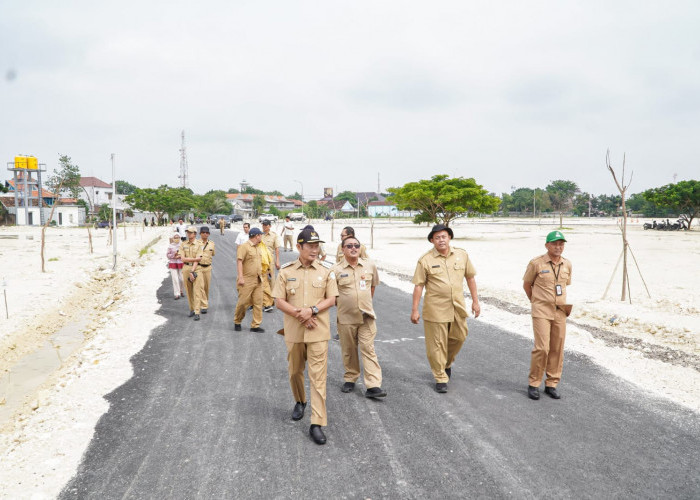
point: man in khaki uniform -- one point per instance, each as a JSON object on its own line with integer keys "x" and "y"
{"x": 357, "y": 279}
{"x": 222, "y": 225}
{"x": 442, "y": 271}
{"x": 304, "y": 291}
{"x": 544, "y": 282}
{"x": 288, "y": 233}
{"x": 272, "y": 242}
{"x": 250, "y": 281}
{"x": 191, "y": 254}
{"x": 346, "y": 233}
{"x": 208, "y": 252}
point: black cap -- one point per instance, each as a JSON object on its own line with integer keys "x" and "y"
{"x": 309, "y": 236}
{"x": 440, "y": 227}
{"x": 203, "y": 229}
{"x": 308, "y": 226}
{"x": 266, "y": 223}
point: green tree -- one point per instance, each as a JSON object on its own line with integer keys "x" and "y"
{"x": 682, "y": 198}
{"x": 561, "y": 195}
{"x": 233, "y": 191}
{"x": 295, "y": 196}
{"x": 70, "y": 174}
{"x": 443, "y": 199}
{"x": 213, "y": 202}
{"x": 258, "y": 204}
{"x": 163, "y": 200}
{"x": 124, "y": 187}
{"x": 105, "y": 212}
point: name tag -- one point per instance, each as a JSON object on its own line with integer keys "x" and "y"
{"x": 557, "y": 290}
{"x": 363, "y": 285}
{"x": 438, "y": 265}
{"x": 344, "y": 275}
{"x": 291, "y": 279}
{"x": 544, "y": 271}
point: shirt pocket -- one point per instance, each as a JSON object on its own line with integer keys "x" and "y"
{"x": 345, "y": 282}
{"x": 318, "y": 289}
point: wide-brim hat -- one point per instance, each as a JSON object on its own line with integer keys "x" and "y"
{"x": 191, "y": 229}
{"x": 309, "y": 236}
{"x": 440, "y": 227}
{"x": 555, "y": 236}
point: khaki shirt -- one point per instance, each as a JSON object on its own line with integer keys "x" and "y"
{"x": 191, "y": 250}
{"x": 272, "y": 242}
{"x": 222, "y": 224}
{"x": 208, "y": 251}
{"x": 305, "y": 287}
{"x": 250, "y": 257}
{"x": 340, "y": 256}
{"x": 355, "y": 290}
{"x": 443, "y": 278}
{"x": 542, "y": 274}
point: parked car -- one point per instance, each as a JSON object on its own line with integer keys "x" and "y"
{"x": 297, "y": 216}
{"x": 104, "y": 224}
{"x": 270, "y": 217}
{"x": 236, "y": 218}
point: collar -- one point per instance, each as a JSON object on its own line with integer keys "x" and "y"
{"x": 438, "y": 254}
{"x": 360, "y": 262}
{"x": 314, "y": 264}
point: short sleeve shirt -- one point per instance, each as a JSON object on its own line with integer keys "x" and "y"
{"x": 305, "y": 287}
{"x": 544, "y": 275}
{"x": 191, "y": 250}
{"x": 443, "y": 278}
{"x": 355, "y": 290}
{"x": 208, "y": 251}
{"x": 271, "y": 241}
{"x": 250, "y": 257}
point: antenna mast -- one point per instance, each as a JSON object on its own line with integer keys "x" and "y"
{"x": 184, "y": 181}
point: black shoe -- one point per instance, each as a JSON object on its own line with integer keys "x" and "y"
{"x": 552, "y": 392}
{"x": 298, "y": 412}
{"x": 448, "y": 371}
{"x": 375, "y": 392}
{"x": 268, "y": 309}
{"x": 203, "y": 311}
{"x": 250, "y": 308}
{"x": 237, "y": 327}
{"x": 177, "y": 297}
{"x": 317, "y": 434}
{"x": 257, "y": 329}
{"x": 190, "y": 314}
{"x": 348, "y": 387}
{"x": 196, "y": 317}
{"x": 336, "y": 337}
{"x": 441, "y": 387}
{"x": 533, "y": 392}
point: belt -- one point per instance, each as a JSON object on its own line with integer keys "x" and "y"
{"x": 204, "y": 265}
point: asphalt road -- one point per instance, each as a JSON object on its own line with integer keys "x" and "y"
{"x": 207, "y": 415}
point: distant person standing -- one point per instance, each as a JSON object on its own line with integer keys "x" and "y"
{"x": 182, "y": 230}
{"x": 242, "y": 236}
{"x": 222, "y": 225}
{"x": 272, "y": 242}
{"x": 250, "y": 281}
{"x": 288, "y": 233}
{"x": 304, "y": 291}
{"x": 175, "y": 265}
{"x": 346, "y": 233}
{"x": 441, "y": 271}
{"x": 208, "y": 252}
{"x": 191, "y": 254}
{"x": 545, "y": 282}
{"x": 357, "y": 278}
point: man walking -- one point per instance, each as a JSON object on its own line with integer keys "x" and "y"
{"x": 222, "y": 225}
{"x": 208, "y": 252}
{"x": 357, "y": 279}
{"x": 182, "y": 229}
{"x": 242, "y": 236}
{"x": 288, "y": 233}
{"x": 191, "y": 254}
{"x": 545, "y": 282}
{"x": 346, "y": 233}
{"x": 272, "y": 242}
{"x": 249, "y": 283}
{"x": 441, "y": 271}
{"x": 304, "y": 291}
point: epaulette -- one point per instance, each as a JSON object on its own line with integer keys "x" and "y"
{"x": 325, "y": 264}
{"x": 459, "y": 248}
{"x": 287, "y": 264}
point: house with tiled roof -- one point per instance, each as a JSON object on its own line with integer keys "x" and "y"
{"x": 242, "y": 203}
{"x": 33, "y": 212}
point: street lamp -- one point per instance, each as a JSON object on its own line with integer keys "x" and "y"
{"x": 302, "y": 196}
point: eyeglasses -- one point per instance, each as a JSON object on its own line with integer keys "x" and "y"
{"x": 352, "y": 245}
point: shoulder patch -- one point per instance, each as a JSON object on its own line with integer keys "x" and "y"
{"x": 286, "y": 264}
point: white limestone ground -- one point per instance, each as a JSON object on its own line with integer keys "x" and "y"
{"x": 41, "y": 446}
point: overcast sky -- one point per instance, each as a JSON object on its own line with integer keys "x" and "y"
{"x": 331, "y": 93}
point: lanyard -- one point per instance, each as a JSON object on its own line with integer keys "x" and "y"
{"x": 556, "y": 273}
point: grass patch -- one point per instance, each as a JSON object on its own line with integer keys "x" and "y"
{"x": 53, "y": 259}
{"x": 145, "y": 249}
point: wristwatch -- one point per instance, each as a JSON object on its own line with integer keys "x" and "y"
{"x": 314, "y": 310}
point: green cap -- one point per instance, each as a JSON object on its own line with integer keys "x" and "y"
{"x": 555, "y": 236}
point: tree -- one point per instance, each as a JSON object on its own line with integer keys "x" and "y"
{"x": 295, "y": 196}
{"x": 105, "y": 212}
{"x": 213, "y": 202}
{"x": 441, "y": 199}
{"x": 561, "y": 195}
{"x": 682, "y": 198}
{"x": 233, "y": 191}
{"x": 124, "y": 187}
{"x": 162, "y": 200}
{"x": 69, "y": 174}
{"x": 258, "y": 204}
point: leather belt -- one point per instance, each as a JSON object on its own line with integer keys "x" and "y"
{"x": 204, "y": 265}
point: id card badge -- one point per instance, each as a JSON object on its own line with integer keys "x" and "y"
{"x": 363, "y": 285}
{"x": 557, "y": 289}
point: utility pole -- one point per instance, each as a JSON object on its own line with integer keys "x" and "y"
{"x": 184, "y": 181}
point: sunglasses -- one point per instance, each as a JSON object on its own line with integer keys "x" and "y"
{"x": 352, "y": 245}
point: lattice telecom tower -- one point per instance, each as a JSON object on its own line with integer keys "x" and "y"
{"x": 184, "y": 176}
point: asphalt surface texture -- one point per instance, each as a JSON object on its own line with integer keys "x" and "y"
{"x": 207, "y": 414}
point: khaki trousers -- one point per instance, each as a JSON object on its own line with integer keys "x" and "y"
{"x": 205, "y": 274}
{"x": 288, "y": 238}
{"x": 316, "y": 353}
{"x": 195, "y": 290}
{"x": 362, "y": 336}
{"x": 249, "y": 294}
{"x": 268, "y": 283}
{"x": 442, "y": 343}
{"x": 548, "y": 353}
